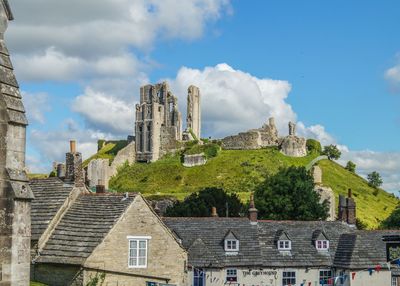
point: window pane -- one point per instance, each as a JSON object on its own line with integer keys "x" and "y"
{"x": 142, "y": 252}
{"x": 142, "y": 261}
{"x": 142, "y": 244}
{"x": 133, "y": 243}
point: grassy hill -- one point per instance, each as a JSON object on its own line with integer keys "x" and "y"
{"x": 240, "y": 172}
{"x": 107, "y": 150}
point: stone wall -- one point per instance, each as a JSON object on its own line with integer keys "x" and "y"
{"x": 166, "y": 258}
{"x": 57, "y": 275}
{"x": 193, "y": 116}
{"x": 265, "y": 136}
{"x": 15, "y": 194}
{"x": 194, "y": 160}
{"x": 294, "y": 146}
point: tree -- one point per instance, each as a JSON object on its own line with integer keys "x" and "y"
{"x": 199, "y": 204}
{"x": 374, "y": 179}
{"x": 350, "y": 166}
{"x": 392, "y": 221}
{"x": 290, "y": 195}
{"x": 313, "y": 146}
{"x": 332, "y": 152}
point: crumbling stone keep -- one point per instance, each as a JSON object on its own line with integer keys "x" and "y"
{"x": 293, "y": 145}
{"x": 15, "y": 193}
{"x": 193, "y": 118}
{"x": 158, "y": 124}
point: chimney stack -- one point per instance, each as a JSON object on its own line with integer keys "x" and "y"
{"x": 73, "y": 165}
{"x": 100, "y": 188}
{"x": 214, "y": 212}
{"x": 347, "y": 209}
{"x": 61, "y": 170}
{"x": 253, "y": 212}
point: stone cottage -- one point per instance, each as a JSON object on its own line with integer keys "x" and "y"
{"x": 248, "y": 251}
{"x": 79, "y": 236}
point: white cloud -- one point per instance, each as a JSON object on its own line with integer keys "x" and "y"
{"x": 234, "y": 101}
{"x": 36, "y": 104}
{"x": 392, "y": 75}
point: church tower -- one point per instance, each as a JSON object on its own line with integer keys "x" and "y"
{"x": 15, "y": 194}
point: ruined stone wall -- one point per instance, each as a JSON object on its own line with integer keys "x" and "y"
{"x": 15, "y": 194}
{"x": 158, "y": 122}
{"x": 265, "y": 136}
{"x": 194, "y": 160}
{"x": 193, "y": 117}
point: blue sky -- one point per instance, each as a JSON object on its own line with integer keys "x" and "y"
{"x": 334, "y": 67}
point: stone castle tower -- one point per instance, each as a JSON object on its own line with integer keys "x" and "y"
{"x": 158, "y": 124}
{"x": 15, "y": 194}
{"x": 193, "y": 118}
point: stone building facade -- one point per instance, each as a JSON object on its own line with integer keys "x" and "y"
{"x": 15, "y": 193}
{"x": 158, "y": 125}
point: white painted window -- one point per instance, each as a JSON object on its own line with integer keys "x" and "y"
{"x": 288, "y": 278}
{"x": 231, "y": 275}
{"x": 138, "y": 250}
{"x": 322, "y": 244}
{"x": 284, "y": 245}
{"x": 231, "y": 245}
{"x": 394, "y": 281}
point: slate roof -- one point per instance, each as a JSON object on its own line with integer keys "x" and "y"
{"x": 50, "y": 194}
{"x": 362, "y": 249}
{"x": 203, "y": 238}
{"x": 84, "y": 227}
{"x": 303, "y": 252}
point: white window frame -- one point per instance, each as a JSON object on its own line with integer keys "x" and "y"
{"x": 326, "y": 277}
{"x": 229, "y": 248}
{"x": 231, "y": 273}
{"x": 291, "y": 277}
{"x": 322, "y": 244}
{"x": 286, "y": 245}
{"x": 138, "y": 239}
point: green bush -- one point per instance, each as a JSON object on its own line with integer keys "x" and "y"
{"x": 210, "y": 150}
{"x": 313, "y": 146}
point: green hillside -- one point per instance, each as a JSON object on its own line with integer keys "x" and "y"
{"x": 241, "y": 171}
{"x": 107, "y": 150}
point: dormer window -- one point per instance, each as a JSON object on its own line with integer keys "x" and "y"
{"x": 320, "y": 240}
{"x": 232, "y": 245}
{"x": 322, "y": 244}
{"x": 283, "y": 241}
{"x": 284, "y": 245}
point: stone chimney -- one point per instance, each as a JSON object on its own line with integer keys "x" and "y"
{"x": 73, "y": 165}
{"x": 253, "y": 212}
{"x": 100, "y": 188}
{"x": 214, "y": 212}
{"x": 347, "y": 209}
{"x": 60, "y": 170}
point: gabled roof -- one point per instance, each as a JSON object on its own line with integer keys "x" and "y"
{"x": 212, "y": 232}
{"x": 281, "y": 235}
{"x": 362, "y": 249}
{"x": 84, "y": 227}
{"x": 230, "y": 235}
{"x": 319, "y": 235}
{"x": 50, "y": 194}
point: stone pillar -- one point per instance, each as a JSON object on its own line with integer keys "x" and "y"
{"x": 317, "y": 174}
{"x": 193, "y": 116}
{"x": 292, "y": 129}
{"x": 15, "y": 194}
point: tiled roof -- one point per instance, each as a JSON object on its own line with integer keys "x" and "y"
{"x": 257, "y": 242}
{"x": 303, "y": 252}
{"x": 83, "y": 227}
{"x": 362, "y": 249}
{"x": 50, "y": 194}
{"x": 209, "y": 233}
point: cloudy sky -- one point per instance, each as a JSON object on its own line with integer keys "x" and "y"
{"x": 333, "y": 67}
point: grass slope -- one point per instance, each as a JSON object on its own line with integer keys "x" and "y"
{"x": 240, "y": 172}
{"x": 108, "y": 151}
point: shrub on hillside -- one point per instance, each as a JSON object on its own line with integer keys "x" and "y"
{"x": 199, "y": 204}
{"x": 374, "y": 179}
{"x": 290, "y": 195}
{"x": 332, "y": 152}
{"x": 350, "y": 166}
{"x": 313, "y": 146}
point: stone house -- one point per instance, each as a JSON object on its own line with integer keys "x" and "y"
{"x": 248, "y": 251}
{"x": 79, "y": 236}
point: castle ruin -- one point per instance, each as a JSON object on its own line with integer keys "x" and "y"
{"x": 15, "y": 193}
{"x": 158, "y": 126}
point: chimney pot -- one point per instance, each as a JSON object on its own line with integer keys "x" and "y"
{"x": 214, "y": 212}
{"x": 72, "y": 146}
